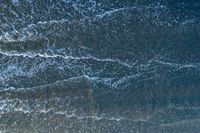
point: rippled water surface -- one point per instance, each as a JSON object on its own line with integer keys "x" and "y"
{"x": 99, "y": 66}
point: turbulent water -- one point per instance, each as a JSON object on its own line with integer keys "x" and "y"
{"x": 99, "y": 66}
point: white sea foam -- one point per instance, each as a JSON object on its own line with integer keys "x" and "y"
{"x": 179, "y": 65}
{"x": 110, "y": 12}
{"x": 23, "y": 107}
{"x": 45, "y": 55}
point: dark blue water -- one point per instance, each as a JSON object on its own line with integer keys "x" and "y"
{"x": 99, "y": 66}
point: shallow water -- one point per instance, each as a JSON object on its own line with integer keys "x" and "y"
{"x": 99, "y": 66}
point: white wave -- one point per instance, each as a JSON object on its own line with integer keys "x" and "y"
{"x": 23, "y": 107}
{"x": 179, "y": 66}
{"x": 100, "y": 117}
{"x": 59, "y": 82}
{"x": 30, "y": 32}
{"x": 110, "y": 12}
{"x": 181, "y": 123}
{"x": 45, "y": 55}
{"x": 15, "y": 69}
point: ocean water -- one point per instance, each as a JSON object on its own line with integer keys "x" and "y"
{"x": 99, "y": 66}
